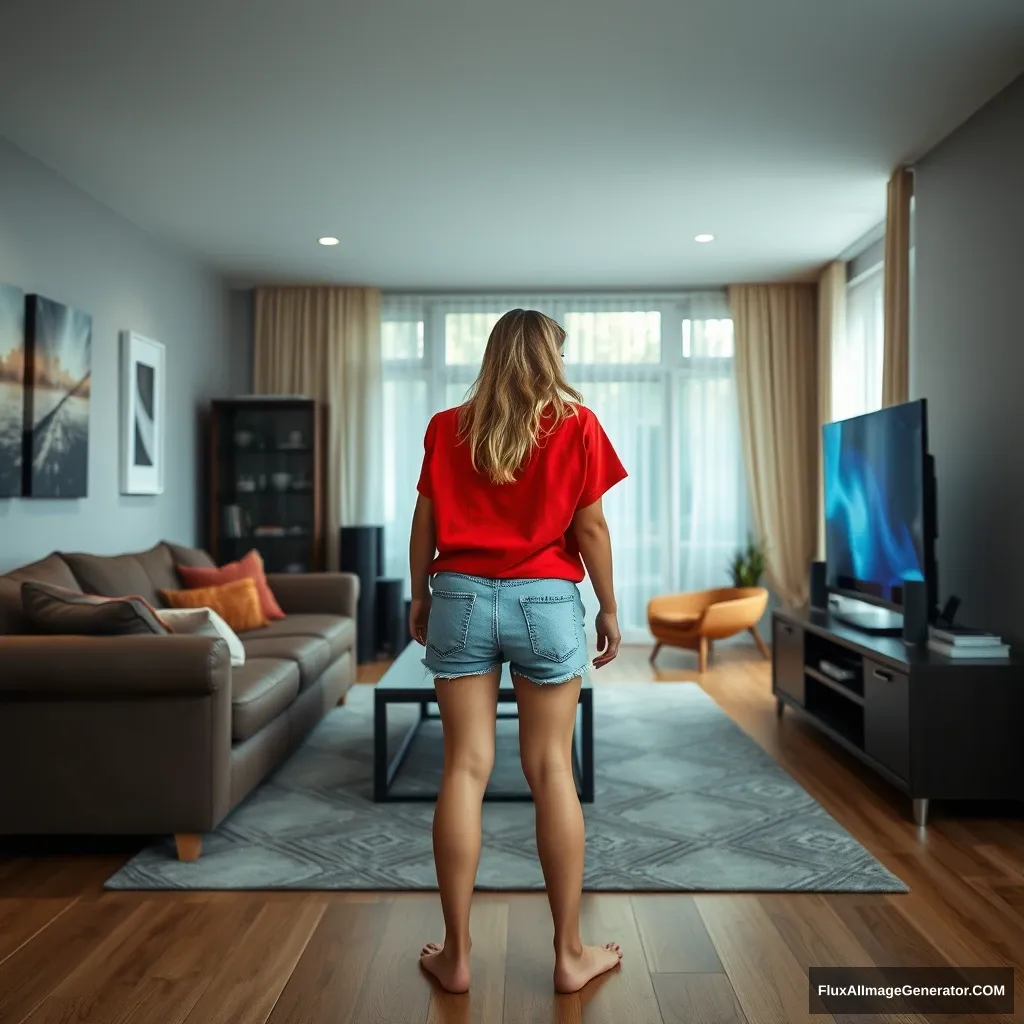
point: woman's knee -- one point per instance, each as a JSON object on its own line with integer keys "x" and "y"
{"x": 476, "y": 761}
{"x": 541, "y": 767}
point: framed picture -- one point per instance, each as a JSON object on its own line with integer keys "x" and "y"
{"x": 58, "y": 382}
{"x": 12, "y": 389}
{"x": 143, "y": 390}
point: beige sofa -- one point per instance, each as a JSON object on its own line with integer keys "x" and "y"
{"x": 148, "y": 735}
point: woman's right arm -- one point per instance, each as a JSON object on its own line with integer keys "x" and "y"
{"x": 594, "y": 541}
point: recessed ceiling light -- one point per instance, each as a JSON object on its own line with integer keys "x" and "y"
{"x": 328, "y": 240}
{"x": 703, "y": 238}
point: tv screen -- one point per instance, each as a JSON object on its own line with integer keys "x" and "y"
{"x": 876, "y": 523}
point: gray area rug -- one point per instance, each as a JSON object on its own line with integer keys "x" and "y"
{"x": 685, "y": 801}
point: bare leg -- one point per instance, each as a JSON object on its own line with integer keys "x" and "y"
{"x": 546, "y": 718}
{"x": 468, "y": 709}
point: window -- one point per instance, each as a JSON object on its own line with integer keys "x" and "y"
{"x": 657, "y": 371}
{"x": 857, "y": 357}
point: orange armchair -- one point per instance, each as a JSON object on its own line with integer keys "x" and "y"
{"x": 695, "y": 621}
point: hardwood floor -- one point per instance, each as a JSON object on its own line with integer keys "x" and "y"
{"x": 70, "y": 951}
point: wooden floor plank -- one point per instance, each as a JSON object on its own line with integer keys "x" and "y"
{"x": 28, "y": 976}
{"x": 178, "y": 978}
{"x": 674, "y": 938}
{"x": 486, "y": 999}
{"x": 396, "y": 989}
{"x": 325, "y": 985}
{"x": 817, "y": 937}
{"x": 248, "y": 982}
{"x": 697, "y": 999}
{"x": 627, "y": 992}
{"x": 22, "y": 919}
{"x": 769, "y": 983}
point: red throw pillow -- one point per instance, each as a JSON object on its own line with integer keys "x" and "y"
{"x": 250, "y": 567}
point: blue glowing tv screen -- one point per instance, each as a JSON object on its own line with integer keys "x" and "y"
{"x": 877, "y": 522}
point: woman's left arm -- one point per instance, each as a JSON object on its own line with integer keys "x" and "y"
{"x": 422, "y": 547}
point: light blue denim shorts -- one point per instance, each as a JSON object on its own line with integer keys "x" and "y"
{"x": 476, "y": 624}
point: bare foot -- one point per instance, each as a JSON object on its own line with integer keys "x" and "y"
{"x": 453, "y": 975}
{"x": 573, "y": 972}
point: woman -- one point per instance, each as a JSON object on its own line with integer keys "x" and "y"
{"x": 508, "y": 514}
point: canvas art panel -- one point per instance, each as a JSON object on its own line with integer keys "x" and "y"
{"x": 12, "y": 389}
{"x": 142, "y": 415}
{"x": 58, "y": 381}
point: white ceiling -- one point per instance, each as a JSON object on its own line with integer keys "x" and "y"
{"x": 477, "y": 144}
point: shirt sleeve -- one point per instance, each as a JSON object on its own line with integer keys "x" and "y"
{"x": 426, "y": 485}
{"x": 604, "y": 469}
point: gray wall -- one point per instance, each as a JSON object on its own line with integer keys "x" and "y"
{"x": 57, "y": 241}
{"x": 968, "y": 355}
{"x": 242, "y": 334}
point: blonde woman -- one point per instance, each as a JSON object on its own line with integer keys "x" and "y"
{"x": 509, "y": 513}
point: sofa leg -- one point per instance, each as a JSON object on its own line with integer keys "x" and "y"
{"x": 761, "y": 645}
{"x": 654, "y": 653}
{"x": 702, "y": 655}
{"x": 189, "y": 846}
{"x": 343, "y": 698}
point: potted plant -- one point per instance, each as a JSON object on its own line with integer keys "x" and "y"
{"x": 748, "y": 564}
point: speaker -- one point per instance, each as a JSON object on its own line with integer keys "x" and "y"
{"x": 360, "y": 549}
{"x": 915, "y": 612}
{"x": 819, "y": 587}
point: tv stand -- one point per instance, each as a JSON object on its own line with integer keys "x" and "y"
{"x": 935, "y": 728}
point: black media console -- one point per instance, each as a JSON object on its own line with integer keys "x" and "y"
{"x": 937, "y": 729}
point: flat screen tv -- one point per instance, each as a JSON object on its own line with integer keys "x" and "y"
{"x": 879, "y": 504}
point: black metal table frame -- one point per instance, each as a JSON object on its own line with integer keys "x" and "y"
{"x": 385, "y": 769}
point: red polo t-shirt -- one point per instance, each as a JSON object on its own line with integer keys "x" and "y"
{"x": 518, "y": 530}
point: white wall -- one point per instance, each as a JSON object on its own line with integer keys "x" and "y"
{"x": 57, "y": 241}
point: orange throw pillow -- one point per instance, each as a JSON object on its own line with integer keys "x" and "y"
{"x": 237, "y": 603}
{"x": 250, "y": 567}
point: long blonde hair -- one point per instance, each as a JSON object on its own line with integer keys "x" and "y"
{"x": 521, "y": 379}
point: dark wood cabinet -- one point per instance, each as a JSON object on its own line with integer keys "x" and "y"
{"x": 887, "y": 717}
{"x": 936, "y": 728}
{"x": 788, "y": 648}
{"x": 266, "y": 482}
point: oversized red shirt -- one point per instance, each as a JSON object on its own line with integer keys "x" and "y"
{"x": 518, "y": 530}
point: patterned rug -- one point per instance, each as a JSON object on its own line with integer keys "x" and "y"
{"x": 685, "y": 801}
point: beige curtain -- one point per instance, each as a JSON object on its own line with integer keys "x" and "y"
{"x": 896, "y": 347}
{"x": 831, "y": 331}
{"x": 324, "y": 343}
{"x": 776, "y": 332}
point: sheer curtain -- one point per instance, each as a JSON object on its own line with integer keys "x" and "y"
{"x": 657, "y": 369}
{"x": 857, "y": 355}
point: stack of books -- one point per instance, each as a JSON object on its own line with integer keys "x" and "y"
{"x": 964, "y": 642}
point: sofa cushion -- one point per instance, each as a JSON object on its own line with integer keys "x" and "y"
{"x": 196, "y": 557}
{"x": 158, "y": 564}
{"x": 51, "y": 569}
{"x": 59, "y": 611}
{"x": 260, "y": 691}
{"x": 113, "y": 575}
{"x": 311, "y": 653}
{"x": 338, "y": 631}
{"x": 237, "y": 603}
{"x": 248, "y": 567}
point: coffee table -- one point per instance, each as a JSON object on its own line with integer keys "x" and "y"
{"x": 407, "y": 682}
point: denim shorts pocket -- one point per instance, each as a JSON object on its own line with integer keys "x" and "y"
{"x": 553, "y": 626}
{"x": 448, "y": 625}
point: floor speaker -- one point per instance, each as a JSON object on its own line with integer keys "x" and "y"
{"x": 915, "y": 612}
{"x": 819, "y": 587}
{"x": 360, "y": 550}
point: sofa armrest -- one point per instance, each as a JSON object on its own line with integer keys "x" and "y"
{"x": 324, "y": 593}
{"x": 103, "y": 668}
{"x": 114, "y": 735}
